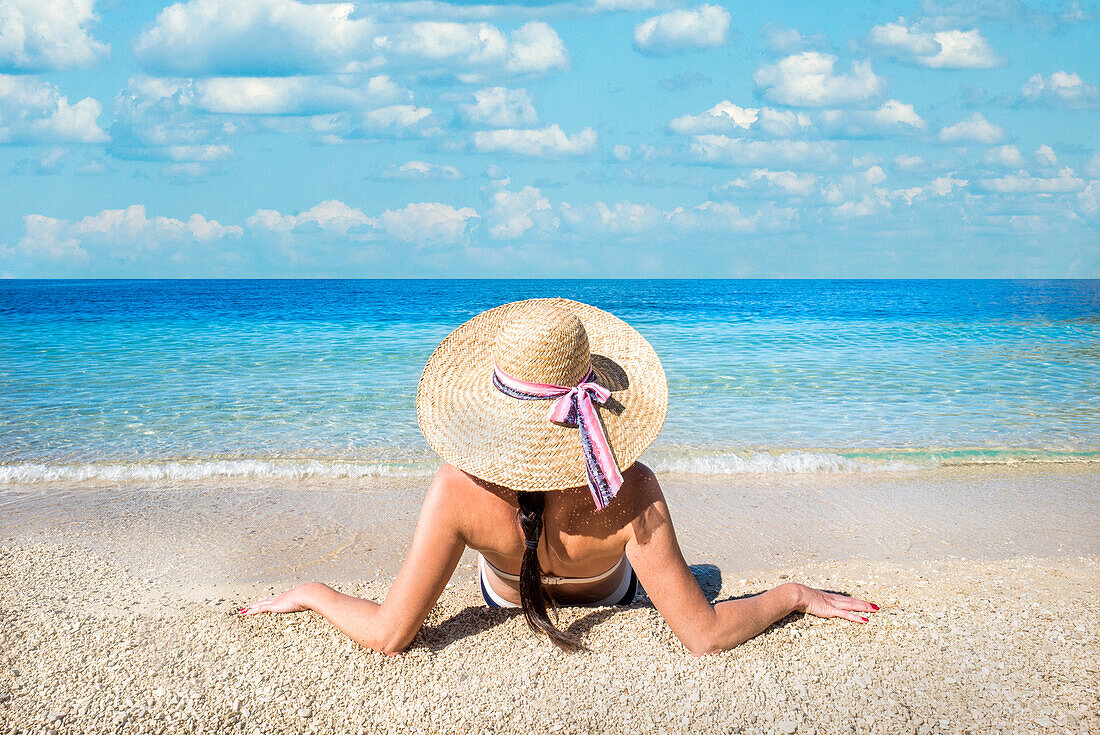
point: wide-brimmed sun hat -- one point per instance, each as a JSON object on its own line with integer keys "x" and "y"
{"x": 543, "y": 394}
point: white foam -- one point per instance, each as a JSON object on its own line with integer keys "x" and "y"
{"x": 762, "y": 463}
{"x": 201, "y": 470}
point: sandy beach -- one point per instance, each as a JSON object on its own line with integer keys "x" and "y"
{"x": 118, "y": 619}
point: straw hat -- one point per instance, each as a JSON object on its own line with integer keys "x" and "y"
{"x": 511, "y": 442}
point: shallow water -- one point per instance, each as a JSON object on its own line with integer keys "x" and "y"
{"x": 116, "y": 380}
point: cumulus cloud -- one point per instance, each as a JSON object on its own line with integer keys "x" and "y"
{"x": 47, "y": 35}
{"x": 1046, "y": 156}
{"x": 297, "y": 95}
{"x": 726, "y": 117}
{"x": 791, "y": 183}
{"x": 629, "y": 218}
{"x": 892, "y": 117}
{"x": 1008, "y": 156}
{"x": 332, "y": 216}
{"x": 783, "y": 40}
{"x": 808, "y": 80}
{"x": 743, "y": 152}
{"x": 678, "y": 31}
{"x": 401, "y": 120}
{"x": 500, "y": 107}
{"x": 422, "y": 170}
{"x": 975, "y": 129}
{"x": 941, "y": 49}
{"x": 550, "y": 141}
{"x": 1061, "y": 89}
{"x": 130, "y": 228}
{"x": 419, "y": 223}
{"x": 32, "y": 111}
{"x": 1024, "y": 183}
{"x": 908, "y": 162}
{"x": 46, "y": 238}
{"x": 513, "y": 214}
{"x": 428, "y": 223}
{"x": 125, "y": 233}
{"x": 152, "y": 115}
{"x": 253, "y": 38}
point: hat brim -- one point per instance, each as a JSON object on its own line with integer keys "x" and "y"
{"x": 511, "y": 442}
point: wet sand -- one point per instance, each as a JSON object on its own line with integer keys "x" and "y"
{"x": 116, "y": 605}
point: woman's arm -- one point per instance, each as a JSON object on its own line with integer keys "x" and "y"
{"x": 390, "y": 627}
{"x": 704, "y": 628}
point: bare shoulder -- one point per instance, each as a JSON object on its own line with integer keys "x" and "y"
{"x": 479, "y": 508}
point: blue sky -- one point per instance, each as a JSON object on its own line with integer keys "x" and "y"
{"x": 274, "y": 138}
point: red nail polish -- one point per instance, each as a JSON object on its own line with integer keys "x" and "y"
{"x": 865, "y": 620}
{"x": 874, "y": 606}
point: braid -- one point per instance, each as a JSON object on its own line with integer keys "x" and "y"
{"x": 532, "y": 595}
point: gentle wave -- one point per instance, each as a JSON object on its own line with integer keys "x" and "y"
{"x": 763, "y": 463}
{"x": 682, "y": 462}
{"x": 190, "y": 471}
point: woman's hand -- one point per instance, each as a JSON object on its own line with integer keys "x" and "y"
{"x": 293, "y": 600}
{"x": 831, "y": 605}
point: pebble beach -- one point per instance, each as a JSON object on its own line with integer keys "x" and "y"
{"x": 960, "y": 646}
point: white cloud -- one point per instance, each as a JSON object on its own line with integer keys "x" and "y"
{"x": 1023, "y": 183}
{"x": 1092, "y": 168}
{"x": 944, "y": 185}
{"x": 807, "y": 80}
{"x": 722, "y": 118}
{"x": 32, "y": 111}
{"x": 944, "y": 49}
{"x": 500, "y": 107}
{"x": 397, "y": 118}
{"x": 726, "y": 117}
{"x": 1061, "y": 89}
{"x": 892, "y": 117}
{"x": 513, "y": 213}
{"x": 428, "y": 223}
{"x": 184, "y": 171}
{"x": 199, "y": 152}
{"x": 782, "y": 40}
{"x": 332, "y": 216}
{"x": 681, "y": 30}
{"x": 975, "y": 129}
{"x": 792, "y": 183}
{"x": 422, "y": 170}
{"x": 629, "y": 218}
{"x": 252, "y": 38}
{"x": 46, "y": 35}
{"x": 538, "y": 142}
{"x": 46, "y": 238}
{"x": 1008, "y": 156}
{"x": 124, "y": 232}
{"x": 126, "y": 229}
{"x": 422, "y": 222}
{"x": 298, "y": 95}
{"x": 536, "y": 48}
{"x": 941, "y": 186}
{"x": 907, "y": 162}
{"x": 1046, "y": 156}
{"x": 621, "y": 152}
{"x": 742, "y": 152}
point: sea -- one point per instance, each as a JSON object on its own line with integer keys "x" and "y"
{"x": 177, "y": 380}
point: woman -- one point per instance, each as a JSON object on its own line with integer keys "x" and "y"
{"x": 535, "y": 406}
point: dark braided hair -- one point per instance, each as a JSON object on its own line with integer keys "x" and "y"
{"x": 532, "y": 595}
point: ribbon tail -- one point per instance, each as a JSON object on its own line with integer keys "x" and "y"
{"x": 604, "y": 477}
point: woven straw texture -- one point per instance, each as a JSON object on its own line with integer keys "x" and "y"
{"x": 511, "y": 442}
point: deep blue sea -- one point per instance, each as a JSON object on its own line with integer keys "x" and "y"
{"x": 194, "y": 379}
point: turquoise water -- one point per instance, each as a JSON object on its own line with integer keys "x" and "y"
{"x": 162, "y": 379}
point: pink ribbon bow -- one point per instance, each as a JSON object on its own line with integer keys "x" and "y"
{"x": 575, "y": 406}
